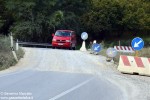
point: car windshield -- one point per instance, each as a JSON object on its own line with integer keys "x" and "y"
{"x": 62, "y": 33}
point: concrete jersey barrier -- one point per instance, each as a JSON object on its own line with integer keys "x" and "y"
{"x": 131, "y": 64}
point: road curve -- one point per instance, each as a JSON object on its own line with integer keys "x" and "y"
{"x": 51, "y": 74}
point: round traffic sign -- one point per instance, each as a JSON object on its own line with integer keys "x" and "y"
{"x": 96, "y": 47}
{"x": 137, "y": 43}
{"x": 111, "y": 52}
{"x": 84, "y": 35}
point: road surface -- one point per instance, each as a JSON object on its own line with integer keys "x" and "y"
{"x": 51, "y": 74}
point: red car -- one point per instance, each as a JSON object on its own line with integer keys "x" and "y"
{"x": 64, "y": 39}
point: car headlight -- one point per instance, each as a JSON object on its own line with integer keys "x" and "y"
{"x": 68, "y": 41}
{"x": 54, "y": 40}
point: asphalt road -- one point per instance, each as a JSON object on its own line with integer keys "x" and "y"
{"x": 50, "y": 74}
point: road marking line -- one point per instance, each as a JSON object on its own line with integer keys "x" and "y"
{"x": 70, "y": 90}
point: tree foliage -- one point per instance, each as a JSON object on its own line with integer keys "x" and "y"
{"x": 107, "y": 15}
{"x": 35, "y": 20}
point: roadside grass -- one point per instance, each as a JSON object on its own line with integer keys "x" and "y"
{"x": 103, "y": 52}
{"x": 145, "y": 52}
{"x": 6, "y": 56}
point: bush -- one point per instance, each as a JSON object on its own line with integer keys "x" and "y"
{"x": 6, "y": 60}
{"x": 6, "y": 56}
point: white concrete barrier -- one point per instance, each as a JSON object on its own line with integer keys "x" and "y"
{"x": 131, "y": 64}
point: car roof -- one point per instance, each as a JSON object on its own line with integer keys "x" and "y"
{"x": 66, "y": 30}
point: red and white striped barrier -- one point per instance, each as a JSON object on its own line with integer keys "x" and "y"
{"x": 127, "y": 49}
{"x": 130, "y": 64}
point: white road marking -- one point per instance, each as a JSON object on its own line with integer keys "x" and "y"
{"x": 70, "y": 90}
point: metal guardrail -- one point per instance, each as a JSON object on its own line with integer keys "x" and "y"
{"x": 34, "y": 44}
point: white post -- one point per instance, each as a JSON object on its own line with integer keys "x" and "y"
{"x": 11, "y": 39}
{"x": 94, "y": 41}
{"x": 12, "y": 48}
{"x": 17, "y": 47}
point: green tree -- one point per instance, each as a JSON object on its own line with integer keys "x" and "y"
{"x": 108, "y": 16}
{"x": 36, "y": 19}
{"x": 136, "y": 15}
{"x": 2, "y": 7}
{"x": 104, "y": 16}
{"x": 33, "y": 18}
{"x": 73, "y": 10}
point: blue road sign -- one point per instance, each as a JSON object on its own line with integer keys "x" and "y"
{"x": 137, "y": 43}
{"x": 96, "y": 47}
